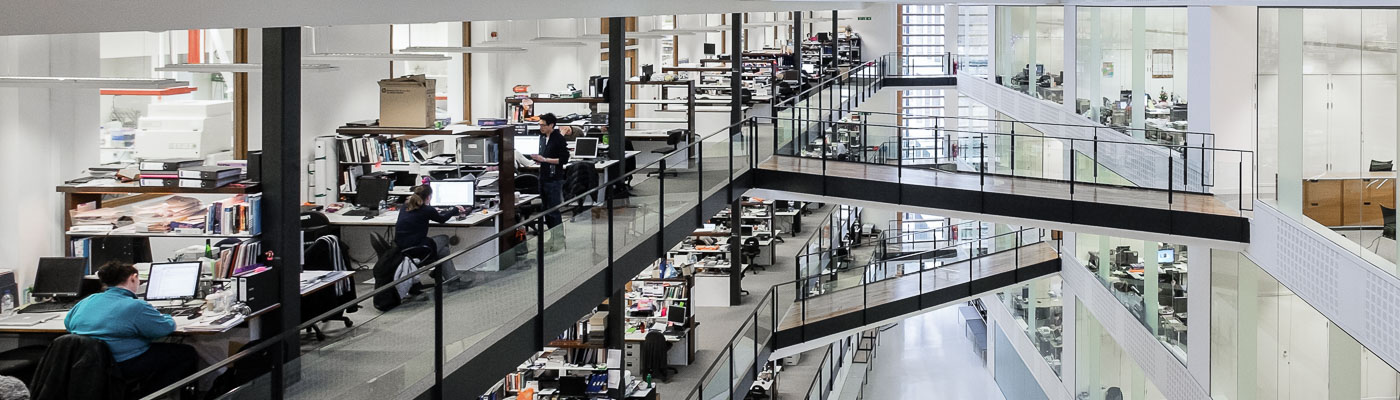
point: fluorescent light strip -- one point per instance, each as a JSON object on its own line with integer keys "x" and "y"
{"x": 90, "y": 83}
{"x": 376, "y": 56}
{"x": 463, "y": 50}
{"x": 234, "y": 67}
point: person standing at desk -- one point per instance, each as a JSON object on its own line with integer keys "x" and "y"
{"x": 128, "y": 325}
{"x": 553, "y": 154}
{"x": 411, "y": 230}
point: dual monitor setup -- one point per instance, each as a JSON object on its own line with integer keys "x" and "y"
{"x": 61, "y": 280}
{"x": 373, "y": 190}
{"x": 584, "y": 147}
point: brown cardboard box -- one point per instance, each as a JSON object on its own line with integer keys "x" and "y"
{"x": 407, "y": 102}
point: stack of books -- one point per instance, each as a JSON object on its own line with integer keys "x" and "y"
{"x": 209, "y": 177}
{"x": 241, "y": 214}
{"x": 166, "y": 172}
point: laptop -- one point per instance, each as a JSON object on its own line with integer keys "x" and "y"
{"x": 26, "y": 319}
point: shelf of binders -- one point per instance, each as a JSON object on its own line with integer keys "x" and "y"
{"x": 244, "y": 187}
{"x": 368, "y": 129}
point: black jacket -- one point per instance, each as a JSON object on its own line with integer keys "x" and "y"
{"x": 77, "y": 367}
{"x": 555, "y": 147}
{"x": 383, "y": 274}
{"x": 411, "y": 230}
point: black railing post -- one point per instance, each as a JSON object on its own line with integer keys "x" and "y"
{"x": 1095, "y": 160}
{"x": 661, "y": 209}
{"x": 438, "y": 342}
{"x": 1170, "y": 178}
{"x": 539, "y": 283}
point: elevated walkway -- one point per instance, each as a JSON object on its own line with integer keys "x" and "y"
{"x": 826, "y": 307}
{"x": 1184, "y": 214}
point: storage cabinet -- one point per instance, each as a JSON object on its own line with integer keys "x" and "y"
{"x": 1351, "y": 201}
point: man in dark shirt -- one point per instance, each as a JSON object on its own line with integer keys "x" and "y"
{"x": 553, "y": 154}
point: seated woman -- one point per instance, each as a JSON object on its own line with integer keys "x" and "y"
{"x": 411, "y": 230}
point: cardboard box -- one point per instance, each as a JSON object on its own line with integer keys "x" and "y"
{"x": 407, "y": 102}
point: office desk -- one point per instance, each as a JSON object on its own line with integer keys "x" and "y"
{"x": 682, "y": 350}
{"x": 1336, "y": 199}
{"x": 480, "y": 225}
{"x": 787, "y": 221}
{"x": 712, "y": 290}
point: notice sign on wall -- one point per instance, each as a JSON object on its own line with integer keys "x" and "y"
{"x": 1162, "y": 63}
{"x": 1108, "y": 69}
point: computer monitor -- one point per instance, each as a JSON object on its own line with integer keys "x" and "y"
{"x": 453, "y": 193}
{"x": 371, "y": 190}
{"x": 59, "y": 277}
{"x": 675, "y": 315}
{"x": 1166, "y": 256}
{"x": 586, "y": 147}
{"x": 710, "y": 49}
{"x": 172, "y": 281}
{"x": 527, "y": 144}
{"x": 746, "y": 230}
{"x": 573, "y": 386}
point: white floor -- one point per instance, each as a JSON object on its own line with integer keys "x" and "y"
{"x": 928, "y": 354}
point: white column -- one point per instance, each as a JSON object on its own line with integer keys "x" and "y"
{"x": 1198, "y": 34}
{"x": 1139, "y": 71}
{"x": 1093, "y": 70}
{"x": 1290, "y": 111}
{"x": 950, "y": 33}
{"x": 1069, "y": 366}
{"x": 1071, "y": 64}
{"x": 1198, "y": 327}
{"x": 993, "y": 28}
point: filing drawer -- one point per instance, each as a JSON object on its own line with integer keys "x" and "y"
{"x": 1322, "y": 201}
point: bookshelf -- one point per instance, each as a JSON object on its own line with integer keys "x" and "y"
{"x": 517, "y": 115}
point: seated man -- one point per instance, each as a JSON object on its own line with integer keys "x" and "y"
{"x": 128, "y": 325}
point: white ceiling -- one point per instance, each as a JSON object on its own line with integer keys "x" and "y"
{"x": 22, "y": 17}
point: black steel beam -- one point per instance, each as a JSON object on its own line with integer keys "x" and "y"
{"x": 281, "y": 188}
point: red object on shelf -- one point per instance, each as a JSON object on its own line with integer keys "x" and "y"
{"x": 194, "y": 53}
{"x": 149, "y": 92}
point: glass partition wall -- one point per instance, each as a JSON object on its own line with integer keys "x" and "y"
{"x": 1148, "y": 277}
{"x": 1030, "y": 50}
{"x": 1103, "y": 370}
{"x": 1267, "y": 343}
{"x": 1131, "y": 66}
{"x": 1327, "y": 106}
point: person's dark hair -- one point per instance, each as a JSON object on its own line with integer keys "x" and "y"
{"x": 419, "y": 198}
{"x": 549, "y": 119}
{"x": 114, "y": 273}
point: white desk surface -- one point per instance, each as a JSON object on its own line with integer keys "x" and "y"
{"x": 183, "y": 325}
{"x": 637, "y": 336}
{"x": 389, "y": 218}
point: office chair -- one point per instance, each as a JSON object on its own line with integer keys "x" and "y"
{"x": 21, "y": 362}
{"x": 673, "y": 138}
{"x": 1388, "y": 215}
{"x": 1382, "y": 166}
{"x": 654, "y": 349}
{"x": 750, "y": 252}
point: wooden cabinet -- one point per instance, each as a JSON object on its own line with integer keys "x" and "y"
{"x": 1348, "y": 201}
{"x": 1322, "y": 201}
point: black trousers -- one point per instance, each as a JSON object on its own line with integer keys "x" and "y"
{"x": 160, "y": 366}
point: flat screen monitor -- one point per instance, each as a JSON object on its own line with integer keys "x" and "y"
{"x": 1166, "y": 256}
{"x": 573, "y": 386}
{"x": 170, "y": 281}
{"x": 371, "y": 190}
{"x": 675, "y": 315}
{"x": 710, "y": 49}
{"x": 527, "y": 144}
{"x": 59, "y": 277}
{"x": 453, "y": 193}
{"x": 586, "y": 147}
{"x": 747, "y": 230}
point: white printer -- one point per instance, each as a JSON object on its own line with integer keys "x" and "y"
{"x": 185, "y": 129}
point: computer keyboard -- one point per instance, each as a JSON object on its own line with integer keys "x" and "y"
{"x": 176, "y": 311}
{"x": 47, "y": 306}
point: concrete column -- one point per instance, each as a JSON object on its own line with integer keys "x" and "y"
{"x": 1093, "y": 70}
{"x": 1198, "y": 69}
{"x": 1290, "y": 111}
{"x": 1150, "y": 285}
{"x": 951, "y": 28}
{"x": 1198, "y": 307}
{"x": 1248, "y": 328}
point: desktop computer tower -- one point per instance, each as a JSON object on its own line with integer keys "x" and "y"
{"x": 477, "y": 149}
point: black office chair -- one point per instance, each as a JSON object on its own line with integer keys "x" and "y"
{"x": 21, "y": 362}
{"x": 673, "y": 139}
{"x": 1388, "y": 215}
{"x": 654, "y": 349}
{"x": 1377, "y": 166}
{"x": 750, "y": 252}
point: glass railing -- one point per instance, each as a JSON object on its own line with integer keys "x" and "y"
{"x": 742, "y": 357}
{"x": 516, "y": 274}
{"x": 1102, "y": 169}
{"x": 843, "y": 91}
{"x": 909, "y": 276}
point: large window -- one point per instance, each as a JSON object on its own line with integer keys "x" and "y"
{"x": 1132, "y": 68}
{"x": 1030, "y": 50}
{"x": 921, "y": 39}
{"x": 974, "y": 39}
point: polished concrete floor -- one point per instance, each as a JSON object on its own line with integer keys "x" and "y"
{"x": 928, "y": 354}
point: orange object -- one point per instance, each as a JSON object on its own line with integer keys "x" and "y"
{"x": 194, "y": 52}
{"x": 148, "y": 92}
{"x": 526, "y": 394}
